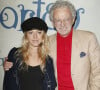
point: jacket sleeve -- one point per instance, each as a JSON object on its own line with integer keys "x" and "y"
{"x": 51, "y": 72}
{"x": 94, "y": 55}
{"x": 9, "y": 82}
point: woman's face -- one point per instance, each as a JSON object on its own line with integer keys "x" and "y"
{"x": 35, "y": 37}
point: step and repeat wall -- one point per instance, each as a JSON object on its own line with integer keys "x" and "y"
{"x": 13, "y": 12}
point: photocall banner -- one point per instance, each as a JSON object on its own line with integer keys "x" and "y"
{"x": 13, "y": 12}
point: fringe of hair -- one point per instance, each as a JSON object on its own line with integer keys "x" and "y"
{"x": 42, "y": 51}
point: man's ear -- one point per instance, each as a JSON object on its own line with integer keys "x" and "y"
{"x": 73, "y": 21}
{"x": 53, "y": 24}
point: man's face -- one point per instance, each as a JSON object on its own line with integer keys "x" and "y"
{"x": 63, "y": 21}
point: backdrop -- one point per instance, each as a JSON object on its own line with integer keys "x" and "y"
{"x": 13, "y": 12}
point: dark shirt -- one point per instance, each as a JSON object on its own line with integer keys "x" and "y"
{"x": 31, "y": 79}
{"x": 12, "y": 81}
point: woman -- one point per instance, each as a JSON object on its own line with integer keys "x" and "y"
{"x": 32, "y": 66}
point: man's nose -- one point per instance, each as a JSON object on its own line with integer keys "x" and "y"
{"x": 62, "y": 23}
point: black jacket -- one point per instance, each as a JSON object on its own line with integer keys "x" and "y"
{"x": 11, "y": 78}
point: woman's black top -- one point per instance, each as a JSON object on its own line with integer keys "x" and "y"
{"x": 31, "y": 79}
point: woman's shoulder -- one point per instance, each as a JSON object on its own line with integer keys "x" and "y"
{"x": 13, "y": 49}
{"x": 12, "y": 53}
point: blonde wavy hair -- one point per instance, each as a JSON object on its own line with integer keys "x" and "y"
{"x": 42, "y": 50}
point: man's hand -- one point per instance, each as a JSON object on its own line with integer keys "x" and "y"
{"x": 7, "y": 65}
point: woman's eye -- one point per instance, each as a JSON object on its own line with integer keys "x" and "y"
{"x": 30, "y": 32}
{"x": 39, "y": 32}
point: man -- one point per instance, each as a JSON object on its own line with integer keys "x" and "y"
{"x": 76, "y": 53}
